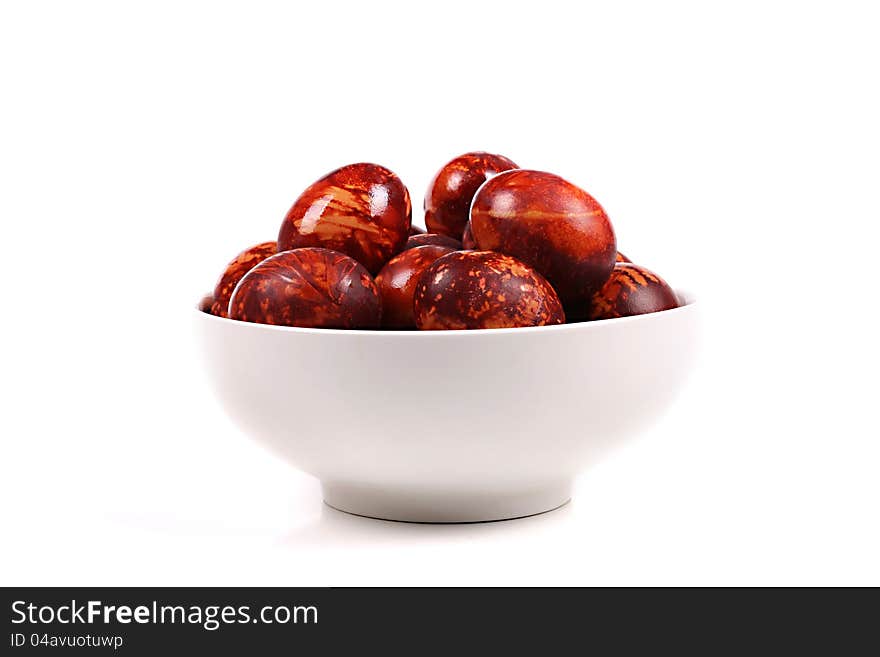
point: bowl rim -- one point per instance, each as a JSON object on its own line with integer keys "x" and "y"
{"x": 686, "y": 298}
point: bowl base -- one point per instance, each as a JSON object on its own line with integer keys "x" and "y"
{"x": 412, "y": 505}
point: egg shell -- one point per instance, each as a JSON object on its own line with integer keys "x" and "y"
{"x": 308, "y": 287}
{"x": 206, "y": 303}
{"x": 631, "y": 290}
{"x": 483, "y": 290}
{"x": 549, "y": 224}
{"x": 235, "y": 270}
{"x": 397, "y": 283}
{"x": 467, "y": 240}
{"x": 362, "y": 210}
{"x": 417, "y": 230}
{"x": 621, "y": 258}
{"x": 449, "y": 196}
{"x": 432, "y": 238}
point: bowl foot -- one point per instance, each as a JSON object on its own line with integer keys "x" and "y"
{"x": 415, "y": 505}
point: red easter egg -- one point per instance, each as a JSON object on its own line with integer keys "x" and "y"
{"x": 448, "y": 200}
{"x": 432, "y": 238}
{"x": 308, "y": 287}
{"x": 549, "y": 224}
{"x": 631, "y": 290}
{"x": 235, "y": 270}
{"x": 397, "y": 283}
{"x": 362, "y": 210}
{"x": 482, "y": 290}
{"x": 467, "y": 240}
{"x": 206, "y": 302}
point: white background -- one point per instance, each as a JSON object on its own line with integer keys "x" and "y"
{"x": 142, "y": 145}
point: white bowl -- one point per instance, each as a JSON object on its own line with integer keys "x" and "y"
{"x": 448, "y": 426}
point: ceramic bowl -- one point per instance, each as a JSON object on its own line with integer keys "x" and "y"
{"x": 448, "y": 426}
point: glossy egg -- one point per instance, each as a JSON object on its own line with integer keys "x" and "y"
{"x": 362, "y": 210}
{"x": 432, "y": 238}
{"x": 397, "y": 283}
{"x": 631, "y": 290}
{"x": 416, "y": 230}
{"x": 448, "y": 200}
{"x": 467, "y": 240}
{"x": 235, "y": 270}
{"x": 308, "y": 287}
{"x": 551, "y": 225}
{"x": 483, "y": 290}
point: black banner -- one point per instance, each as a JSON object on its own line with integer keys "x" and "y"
{"x": 409, "y": 621}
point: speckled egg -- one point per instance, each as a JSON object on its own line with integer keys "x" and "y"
{"x": 397, "y": 283}
{"x": 309, "y": 287}
{"x": 631, "y": 290}
{"x": 549, "y": 224}
{"x": 483, "y": 290}
{"x": 449, "y": 195}
{"x": 467, "y": 240}
{"x": 432, "y": 238}
{"x": 235, "y": 270}
{"x": 362, "y": 210}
